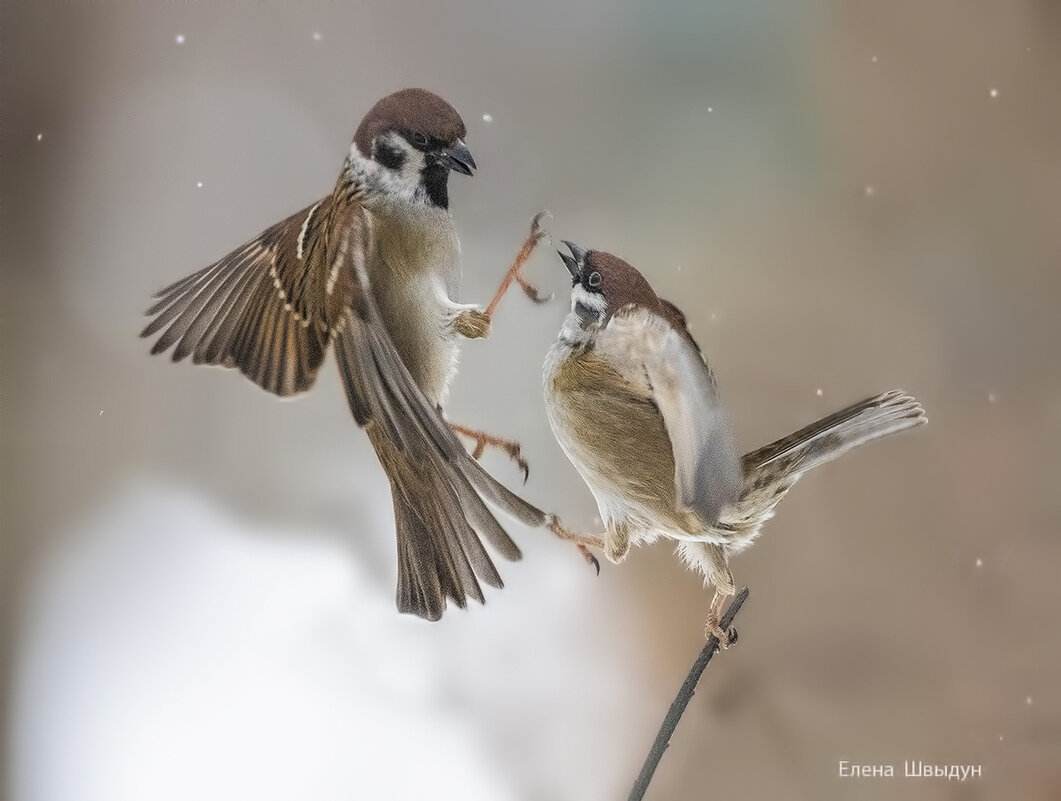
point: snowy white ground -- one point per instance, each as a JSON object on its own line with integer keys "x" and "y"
{"x": 171, "y": 652}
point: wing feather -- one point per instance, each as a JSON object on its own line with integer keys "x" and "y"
{"x": 261, "y": 308}
{"x": 706, "y": 461}
{"x": 271, "y": 308}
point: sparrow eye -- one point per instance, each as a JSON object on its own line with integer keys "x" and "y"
{"x": 419, "y": 139}
{"x": 594, "y": 280}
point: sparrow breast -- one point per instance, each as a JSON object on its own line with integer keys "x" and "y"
{"x": 615, "y": 437}
{"x": 416, "y": 277}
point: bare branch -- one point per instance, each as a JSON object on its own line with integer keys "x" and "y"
{"x": 681, "y": 701}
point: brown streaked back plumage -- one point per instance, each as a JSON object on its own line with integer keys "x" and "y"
{"x": 410, "y": 111}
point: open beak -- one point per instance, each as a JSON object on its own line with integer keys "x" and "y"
{"x": 457, "y": 158}
{"x": 574, "y": 265}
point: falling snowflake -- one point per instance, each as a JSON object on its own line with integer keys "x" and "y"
{"x": 488, "y": 118}
{"x": 979, "y": 562}
{"x": 993, "y": 93}
{"x": 317, "y": 36}
{"x": 869, "y": 191}
{"x": 199, "y": 184}
{"x": 179, "y": 38}
{"x": 819, "y": 392}
{"x": 1028, "y": 700}
{"x": 873, "y": 59}
{"x": 991, "y": 397}
{"x": 710, "y": 109}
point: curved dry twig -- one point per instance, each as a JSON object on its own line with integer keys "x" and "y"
{"x": 681, "y": 701}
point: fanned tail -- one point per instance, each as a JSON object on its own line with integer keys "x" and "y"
{"x": 440, "y": 554}
{"x": 832, "y": 436}
{"x": 438, "y": 490}
{"x": 770, "y": 472}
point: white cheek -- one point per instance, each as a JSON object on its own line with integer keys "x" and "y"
{"x": 403, "y": 183}
{"x": 412, "y": 167}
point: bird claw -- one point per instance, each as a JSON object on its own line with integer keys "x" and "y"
{"x": 582, "y": 541}
{"x": 592, "y": 560}
{"x": 483, "y": 440}
{"x": 536, "y": 224}
{"x": 514, "y": 273}
{"x": 537, "y": 235}
{"x": 532, "y": 292}
{"x": 725, "y": 639}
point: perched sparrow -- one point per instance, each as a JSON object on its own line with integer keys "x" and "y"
{"x": 633, "y": 404}
{"x": 373, "y": 268}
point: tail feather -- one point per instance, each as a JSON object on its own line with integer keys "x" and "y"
{"x": 440, "y": 494}
{"x": 832, "y": 436}
{"x": 439, "y": 554}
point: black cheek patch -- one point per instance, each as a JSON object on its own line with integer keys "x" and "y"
{"x": 388, "y": 156}
{"x": 584, "y": 312}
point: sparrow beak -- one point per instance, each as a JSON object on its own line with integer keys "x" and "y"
{"x": 574, "y": 265}
{"x": 457, "y": 158}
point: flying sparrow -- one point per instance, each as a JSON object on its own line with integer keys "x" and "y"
{"x": 374, "y": 269}
{"x": 634, "y": 406}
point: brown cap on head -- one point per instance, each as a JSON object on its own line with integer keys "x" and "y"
{"x": 620, "y": 283}
{"x": 407, "y": 112}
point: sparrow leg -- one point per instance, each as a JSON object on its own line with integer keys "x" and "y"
{"x": 536, "y": 235}
{"x": 482, "y": 440}
{"x": 583, "y": 541}
{"x": 712, "y": 628}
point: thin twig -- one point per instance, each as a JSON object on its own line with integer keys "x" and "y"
{"x": 681, "y": 701}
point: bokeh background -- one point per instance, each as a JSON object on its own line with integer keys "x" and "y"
{"x": 844, "y": 197}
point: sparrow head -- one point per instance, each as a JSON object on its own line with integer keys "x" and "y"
{"x": 601, "y": 284}
{"x": 407, "y": 144}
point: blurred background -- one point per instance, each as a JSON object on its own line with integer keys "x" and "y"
{"x": 844, "y": 197}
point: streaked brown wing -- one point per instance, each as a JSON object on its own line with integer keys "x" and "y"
{"x": 271, "y": 308}
{"x": 265, "y": 308}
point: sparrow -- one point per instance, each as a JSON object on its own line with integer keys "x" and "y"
{"x": 635, "y": 407}
{"x": 372, "y": 270}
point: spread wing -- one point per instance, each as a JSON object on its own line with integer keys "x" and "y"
{"x": 272, "y": 308}
{"x": 706, "y": 463}
{"x": 267, "y": 307}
